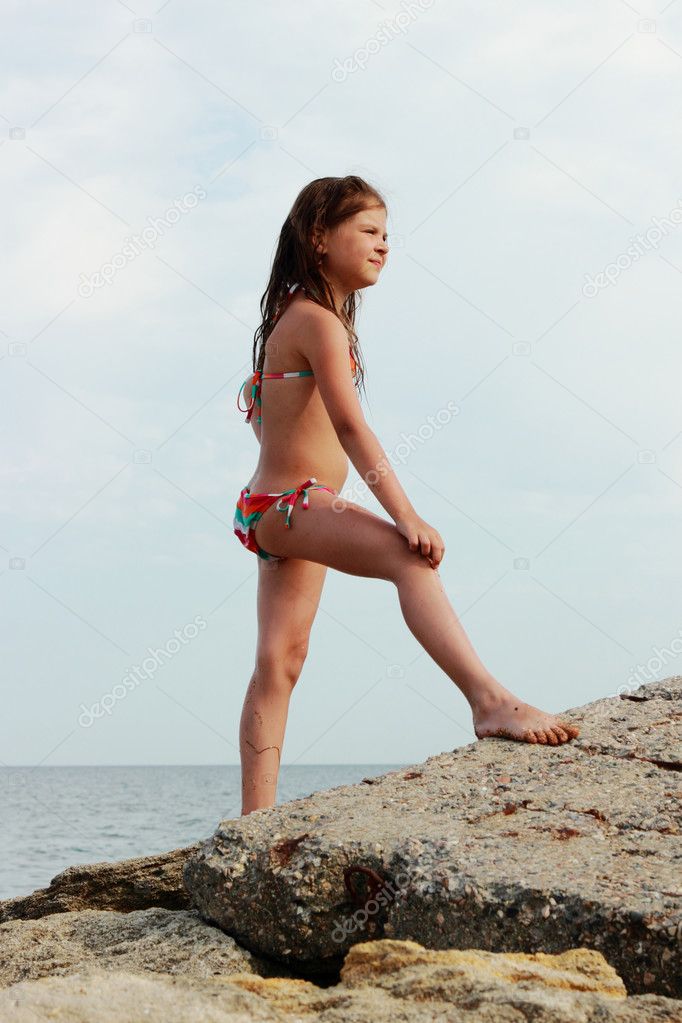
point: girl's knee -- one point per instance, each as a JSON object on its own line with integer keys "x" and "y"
{"x": 281, "y": 663}
{"x": 409, "y": 563}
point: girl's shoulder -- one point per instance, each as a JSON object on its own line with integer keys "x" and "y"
{"x": 302, "y": 317}
{"x": 283, "y": 350}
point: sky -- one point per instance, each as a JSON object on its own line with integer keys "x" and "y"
{"x": 529, "y": 155}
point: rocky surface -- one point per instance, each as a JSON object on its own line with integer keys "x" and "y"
{"x": 508, "y": 869}
{"x": 125, "y": 885}
{"x": 145, "y": 940}
{"x": 381, "y": 981}
{"x": 497, "y": 846}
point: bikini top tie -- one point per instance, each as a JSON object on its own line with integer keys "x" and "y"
{"x": 258, "y": 377}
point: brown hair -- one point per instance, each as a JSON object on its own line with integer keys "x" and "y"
{"x": 322, "y": 204}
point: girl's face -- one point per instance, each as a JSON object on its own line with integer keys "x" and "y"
{"x": 354, "y": 252}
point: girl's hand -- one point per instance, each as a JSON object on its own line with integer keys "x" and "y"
{"x": 422, "y": 538}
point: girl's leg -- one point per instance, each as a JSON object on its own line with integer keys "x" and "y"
{"x": 288, "y": 598}
{"x": 349, "y": 538}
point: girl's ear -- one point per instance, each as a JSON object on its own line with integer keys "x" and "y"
{"x": 318, "y": 239}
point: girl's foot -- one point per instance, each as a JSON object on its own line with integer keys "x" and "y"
{"x": 514, "y": 719}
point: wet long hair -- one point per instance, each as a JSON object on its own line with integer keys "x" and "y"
{"x": 322, "y": 204}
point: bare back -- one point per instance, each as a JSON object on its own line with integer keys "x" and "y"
{"x": 297, "y": 438}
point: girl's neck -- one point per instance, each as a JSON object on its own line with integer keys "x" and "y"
{"x": 293, "y": 290}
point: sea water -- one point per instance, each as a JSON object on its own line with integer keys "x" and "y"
{"x": 56, "y": 817}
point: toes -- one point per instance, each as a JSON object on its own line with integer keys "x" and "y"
{"x": 529, "y": 735}
{"x": 563, "y": 735}
{"x": 542, "y": 738}
{"x": 571, "y": 730}
{"x": 554, "y": 739}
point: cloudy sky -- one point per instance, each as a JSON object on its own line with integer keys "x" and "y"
{"x": 530, "y": 157}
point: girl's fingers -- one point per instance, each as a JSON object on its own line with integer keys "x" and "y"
{"x": 436, "y": 556}
{"x": 426, "y": 546}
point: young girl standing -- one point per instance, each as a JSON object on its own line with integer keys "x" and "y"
{"x": 306, "y": 414}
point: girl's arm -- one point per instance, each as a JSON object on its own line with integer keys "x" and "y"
{"x": 323, "y": 341}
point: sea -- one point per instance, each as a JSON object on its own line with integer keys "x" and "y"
{"x": 56, "y": 817}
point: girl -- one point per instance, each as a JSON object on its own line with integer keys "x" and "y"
{"x": 332, "y": 245}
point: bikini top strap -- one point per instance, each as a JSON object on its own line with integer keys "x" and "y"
{"x": 255, "y": 396}
{"x": 287, "y": 298}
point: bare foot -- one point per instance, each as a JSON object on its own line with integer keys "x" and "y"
{"x": 514, "y": 719}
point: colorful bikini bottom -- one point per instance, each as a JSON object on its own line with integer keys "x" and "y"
{"x": 251, "y": 506}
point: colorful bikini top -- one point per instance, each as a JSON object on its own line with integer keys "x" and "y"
{"x": 259, "y": 376}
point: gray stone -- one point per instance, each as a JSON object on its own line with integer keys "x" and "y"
{"x": 127, "y": 997}
{"x": 381, "y": 982}
{"x": 138, "y": 883}
{"x": 145, "y": 940}
{"x": 497, "y": 846}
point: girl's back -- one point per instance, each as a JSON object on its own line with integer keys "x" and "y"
{"x": 296, "y": 435}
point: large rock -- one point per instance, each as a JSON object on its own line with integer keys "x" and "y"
{"x": 145, "y": 940}
{"x": 381, "y": 982}
{"x": 125, "y": 885}
{"x": 498, "y": 846}
{"x": 127, "y": 997}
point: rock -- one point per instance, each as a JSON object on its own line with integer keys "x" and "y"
{"x": 497, "y": 846}
{"x": 145, "y": 940}
{"x": 580, "y": 969}
{"x": 126, "y": 997}
{"x": 125, "y": 885}
{"x": 381, "y": 982}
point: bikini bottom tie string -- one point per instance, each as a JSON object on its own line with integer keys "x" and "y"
{"x": 293, "y": 498}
